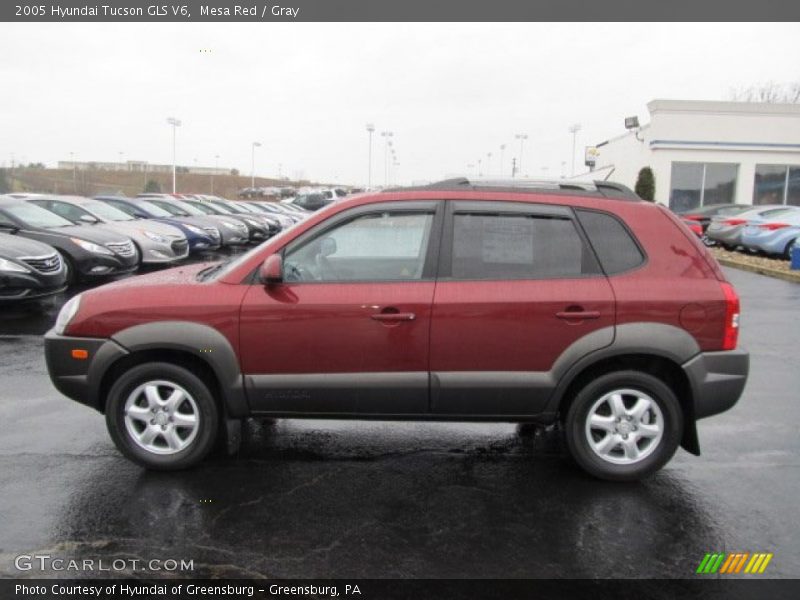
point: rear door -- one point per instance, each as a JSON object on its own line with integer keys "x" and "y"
{"x": 518, "y": 285}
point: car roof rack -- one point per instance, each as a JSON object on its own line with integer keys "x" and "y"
{"x": 606, "y": 189}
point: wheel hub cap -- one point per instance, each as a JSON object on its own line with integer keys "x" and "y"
{"x": 161, "y": 417}
{"x": 624, "y": 426}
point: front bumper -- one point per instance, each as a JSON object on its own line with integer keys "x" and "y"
{"x": 717, "y": 380}
{"x": 29, "y": 286}
{"x": 79, "y": 379}
{"x": 157, "y": 253}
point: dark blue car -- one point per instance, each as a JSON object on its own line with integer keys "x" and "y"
{"x": 201, "y": 233}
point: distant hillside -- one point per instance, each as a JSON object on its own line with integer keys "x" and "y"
{"x": 90, "y": 183}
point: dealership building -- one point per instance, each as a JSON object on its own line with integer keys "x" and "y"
{"x": 705, "y": 153}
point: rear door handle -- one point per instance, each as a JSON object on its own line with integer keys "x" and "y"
{"x": 394, "y": 317}
{"x": 576, "y": 315}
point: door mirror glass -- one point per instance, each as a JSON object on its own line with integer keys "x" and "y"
{"x": 272, "y": 270}
{"x": 88, "y": 219}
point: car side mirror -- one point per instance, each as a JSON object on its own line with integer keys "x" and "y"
{"x": 271, "y": 271}
{"x": 88, "y": 219}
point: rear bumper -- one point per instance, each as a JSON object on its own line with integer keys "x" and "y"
{"x": 79, "y": 379}
{"x": 717, "y": 380}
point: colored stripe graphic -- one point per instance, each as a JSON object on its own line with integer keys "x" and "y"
{"x": 726, "y": 565}
{"x": 734, "y": 562}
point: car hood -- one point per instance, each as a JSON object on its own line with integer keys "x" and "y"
{"x": 134, "y": 229}
{"x": 91, "y": 233}
{"x": 106, "y": 309}
{"x": 12, "y": 246}
{"x": 196, "y": 221}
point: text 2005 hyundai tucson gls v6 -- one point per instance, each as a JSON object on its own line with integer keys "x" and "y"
{"x": 456, "y": 301}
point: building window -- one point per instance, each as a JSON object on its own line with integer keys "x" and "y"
{"x": 777, "y": 184}
{"x": 693, "y": 185}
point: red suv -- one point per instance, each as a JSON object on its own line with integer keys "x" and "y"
{"x": 561, "y": 303}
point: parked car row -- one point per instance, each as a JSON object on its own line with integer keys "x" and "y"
{"x": 772, "y": 229}
{"x": 48, "y": 242}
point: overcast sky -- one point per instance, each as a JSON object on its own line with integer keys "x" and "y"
{"x": 451, "y": 93}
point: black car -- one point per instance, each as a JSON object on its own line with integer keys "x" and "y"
{"x": 87, "y": 252}
{"x": 29, "y": 269}
{"x": 257, "y": 231}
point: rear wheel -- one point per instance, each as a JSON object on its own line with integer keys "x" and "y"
{"x": 624, "y": 426}
{"x": 787, "y": 253}
{"x": 162, "y": 416}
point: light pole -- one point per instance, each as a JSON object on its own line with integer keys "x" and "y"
{"x": 386, "y": 135}
{"x": 74, "y": 171}
{"x": 253, "y": 164}
{"x": 175, "y": 124}
{"x": 574, "y": 129}
{"x": 214, "y": 172}
{"x": 488, "y": 164}
{"x": 502, "y": 156}
{"x": 370, "y": 130}
{"x": 521, "y": 137}
{"x": 480, "y": 171}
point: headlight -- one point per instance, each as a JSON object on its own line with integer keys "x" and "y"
{"x": 69, "y": 310}
{"x": 7, "y": 265}
{"x": 155, "y": 237}
{"x": 230, "y": 225}
{"x": 91, "y": 247}
{"x": 196, "y": 230}
{"x": 253, "y": 222}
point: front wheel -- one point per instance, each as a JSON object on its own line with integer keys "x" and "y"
{"x": 162, "y": 416}
{"x": 624, "y": 426}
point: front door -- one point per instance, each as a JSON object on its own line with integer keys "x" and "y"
{"x": 347, "y": 332}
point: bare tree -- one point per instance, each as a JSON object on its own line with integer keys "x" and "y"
{"x": 769, "y": 92}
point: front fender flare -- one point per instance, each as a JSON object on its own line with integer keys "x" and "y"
{"x": 201, "y": 341}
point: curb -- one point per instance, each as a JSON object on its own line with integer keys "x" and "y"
{"x": 790, "y": 276}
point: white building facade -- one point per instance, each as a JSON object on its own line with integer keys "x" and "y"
{"x": 711, "y": 153}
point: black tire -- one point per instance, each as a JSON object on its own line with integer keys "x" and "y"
{"x": 204, "y": 406}
{"x": 671, "y": 424}
{"x": 787, "y": 253}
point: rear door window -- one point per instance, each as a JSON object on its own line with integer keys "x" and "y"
{"x": 516, "y": 245}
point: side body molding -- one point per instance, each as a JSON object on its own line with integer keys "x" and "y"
{"x": 201, "y": 341}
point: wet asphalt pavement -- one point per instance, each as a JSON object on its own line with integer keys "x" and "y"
{"x": 387, "y": 499}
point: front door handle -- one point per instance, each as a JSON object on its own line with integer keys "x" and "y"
{"x": 391, "y": 317}
{"x": 578, "y": 315}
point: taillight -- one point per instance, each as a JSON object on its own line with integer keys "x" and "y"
{"x": 693, "y": 217}
{"x": 696, "y": 227}
{"x": 773, "y": 226}
{"x": 731, "y": 333}
{"x": 735, "y": 221}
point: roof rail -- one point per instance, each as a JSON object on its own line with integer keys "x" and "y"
{"x": 606, "y": 189}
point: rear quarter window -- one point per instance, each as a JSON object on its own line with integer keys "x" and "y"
{"x": 615, "y": 246}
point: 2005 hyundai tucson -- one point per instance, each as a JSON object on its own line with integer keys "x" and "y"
{"x": 527, "y": 302}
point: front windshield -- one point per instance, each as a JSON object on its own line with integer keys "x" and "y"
{"x": 223, "y": 208}
{"x": 36, "y": 216}
{"x": 154, "y": 210}
{"x": 106, "y": 211}
{"x": 205, "y": 208}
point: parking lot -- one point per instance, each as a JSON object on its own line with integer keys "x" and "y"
{"x": 389, "y": 499}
